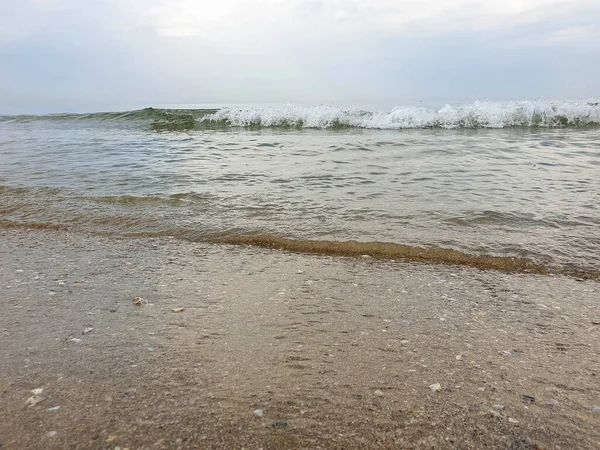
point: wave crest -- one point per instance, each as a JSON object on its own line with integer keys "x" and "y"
{"x": 479, "y": 114}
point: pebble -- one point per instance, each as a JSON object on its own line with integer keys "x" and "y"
{"x": 280, "y": 424}
{"x": 435, "y": 387}
{"x": 498, "y": 406}
{"x": 494, "y": 413}
{"x": 511, "y": 420}
{"x": 37, "y": 391}
{"x": 597, "y": 409}
{"x": 552, "y": 402}
{"x": 54, "y": 408}
{"x": 32, "y": 401}
{"x": 258, "y": 412}
{"x": 87, "y": 330}
{"x": 527, "y": 399}
{"x": 379, "y": 393}
{"x": 76, "y": 340}
{"x": 459, "y": 357}
{"x": 51, "y": 433}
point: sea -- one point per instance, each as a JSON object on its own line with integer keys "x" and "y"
{"x": 511, "y": 186}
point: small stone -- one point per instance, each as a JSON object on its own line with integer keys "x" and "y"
{"x": 88, "y": 330}
{"x": 279, "y": 424}
{"x": 435, "y": 387}
{"x": 459, "y": 357}
{"x": 505, "y": 353}
{"x": 596, "y": 322}
{"x": 511, "y": 420}
{"x": 494, "y": 413}
{"x": 178, "y": 310}
{"x": 258, "y": 412}
{"x": 51, "y": 433}
{"x": 404, "y": 342}
{"x": 37, "y": 391}
{"x": 32, "y": 401}
{"x": 111, "y": 438}
{"x": 527, "y": 399}
{"x": 552, "y": 402}
{"x": 76, "y": 340}
{"x": 138, "y": 301}
{"x": 379, "y": 393}
{"x": 54, "y": 408}
{"x": 498, "y": 406}
{"x": 596, "y": 409}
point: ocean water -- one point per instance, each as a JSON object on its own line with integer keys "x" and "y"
{"x": 513, "y": 186}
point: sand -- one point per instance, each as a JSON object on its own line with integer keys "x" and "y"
{"x": 334, "y": 352}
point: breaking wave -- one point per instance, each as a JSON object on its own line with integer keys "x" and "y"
{"x": 479, "y": 114}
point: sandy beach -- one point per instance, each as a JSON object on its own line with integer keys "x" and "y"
{"x": 281, "y": 350}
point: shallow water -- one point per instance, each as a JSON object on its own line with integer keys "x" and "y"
{"x": 516, "y": 192}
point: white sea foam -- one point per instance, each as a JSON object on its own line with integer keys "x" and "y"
{"x": 479, "y": 114}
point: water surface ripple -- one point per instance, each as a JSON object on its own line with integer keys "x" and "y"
{"x": 530, "y": 193}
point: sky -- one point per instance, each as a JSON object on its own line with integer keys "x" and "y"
{"x": 98, "y": 55}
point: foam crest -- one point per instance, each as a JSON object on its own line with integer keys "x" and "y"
{"x": 479, "y": 114}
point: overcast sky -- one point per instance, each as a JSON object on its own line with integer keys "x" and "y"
{"x": 89, "y": 55}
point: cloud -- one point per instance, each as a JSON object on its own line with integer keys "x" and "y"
{"x": 70, "y": 54}
{"x": 577, "y": 34}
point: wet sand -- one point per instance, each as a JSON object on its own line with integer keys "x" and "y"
{"x": 335, "y": 352}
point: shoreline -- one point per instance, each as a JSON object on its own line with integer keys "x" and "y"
{"x": 384, "y": 251}
{"x": 336, "y": 352}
